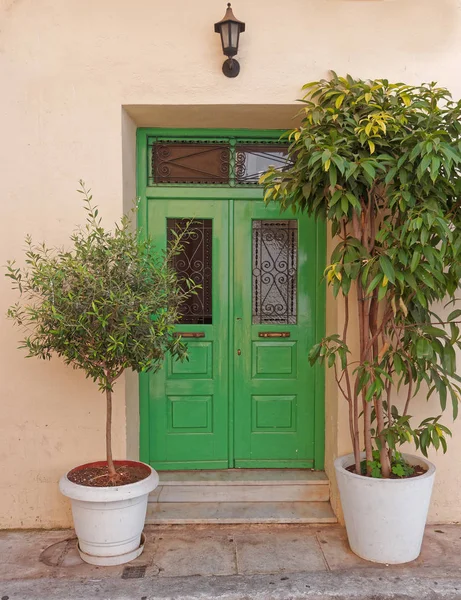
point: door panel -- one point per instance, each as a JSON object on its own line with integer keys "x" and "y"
{"x": 188, "y": 402}
{"x": 274, "y": 294}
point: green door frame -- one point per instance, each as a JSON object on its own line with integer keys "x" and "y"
{"x": 146, "y": 190}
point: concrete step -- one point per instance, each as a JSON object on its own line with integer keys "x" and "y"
{"x": 242, "y": 485}
{"x": 175, "y": 513}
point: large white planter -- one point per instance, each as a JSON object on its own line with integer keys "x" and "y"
{"x": 385, "y": 518}
{"x": 109, "y": 520}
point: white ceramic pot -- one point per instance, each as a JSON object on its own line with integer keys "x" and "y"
{"x": 109, "y": 520}
{"x": 385, "y": 518}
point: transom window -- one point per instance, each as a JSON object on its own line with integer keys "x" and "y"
{"x": 225, "y": 162}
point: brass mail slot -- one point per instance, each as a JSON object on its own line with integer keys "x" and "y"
{"x": 190, "y": 334}
{"x": 272, "y": 334}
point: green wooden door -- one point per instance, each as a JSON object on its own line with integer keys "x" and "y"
{"x": 245, "y": 398}
{"x": 187, "y": 403}
{"x": 274, "y": 323}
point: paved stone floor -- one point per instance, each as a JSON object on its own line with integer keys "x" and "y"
{"x": 274, "y": 555}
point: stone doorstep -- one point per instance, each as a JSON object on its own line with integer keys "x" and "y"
{"x": 242, "y": 485}
{"x": 239, "y": 512}
{"x": 247, "y": 476}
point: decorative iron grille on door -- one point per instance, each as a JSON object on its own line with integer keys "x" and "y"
{"x": 194, "y": 262}
{"x": 225, "y": 162}
{"x": 275, "y": 255}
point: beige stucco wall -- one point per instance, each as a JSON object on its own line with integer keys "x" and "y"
{"x": 67, "y": 70}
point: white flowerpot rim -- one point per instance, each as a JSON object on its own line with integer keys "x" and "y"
{"x": 77, "y": 491}
{"x": 347, "y": 460}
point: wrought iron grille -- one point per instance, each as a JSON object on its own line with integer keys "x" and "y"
{"x": 195, "y": 263}
{"x": 228, "y": 162}
{"x": 252, "y": 160}
{"x": 187, "y": 162}
{"x": 275, "y": 257}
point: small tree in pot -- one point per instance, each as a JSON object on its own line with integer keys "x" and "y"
{"x": 107, "y": 304}
{"x": 381, "y": 163}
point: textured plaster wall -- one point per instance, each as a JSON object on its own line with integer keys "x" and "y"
{"x": 67, "y": 70}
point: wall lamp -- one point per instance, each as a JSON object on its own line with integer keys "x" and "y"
{"x": 230, "y": 29}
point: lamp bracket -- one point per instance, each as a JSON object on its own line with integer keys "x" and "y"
{"x": 231, "y": 67}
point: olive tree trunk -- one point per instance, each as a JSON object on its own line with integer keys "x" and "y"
{"x": 110, "y": 462}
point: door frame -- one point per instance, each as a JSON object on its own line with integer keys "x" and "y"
{"x": 146, "y": 192}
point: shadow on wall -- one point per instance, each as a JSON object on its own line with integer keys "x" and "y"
{"x": 402, "y": 25}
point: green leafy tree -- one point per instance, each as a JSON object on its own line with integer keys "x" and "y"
{"x": 380, "y": 162}
{"x": 106, "y": 304}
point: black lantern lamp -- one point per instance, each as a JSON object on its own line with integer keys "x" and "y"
{"x": 230, "y": 29}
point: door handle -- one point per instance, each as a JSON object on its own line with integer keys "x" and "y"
{"x": 190, "y": 334}
{"x": 274, "y": 334}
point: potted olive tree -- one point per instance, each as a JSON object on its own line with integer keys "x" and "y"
{"x": 380, "y": 162}
{"x": 107, "y": 303}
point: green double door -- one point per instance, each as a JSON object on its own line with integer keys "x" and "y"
{"x": 246, "y": 398}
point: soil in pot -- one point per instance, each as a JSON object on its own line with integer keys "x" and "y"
{"x": 98, "y": 475}
{"x": 417, "y": 471}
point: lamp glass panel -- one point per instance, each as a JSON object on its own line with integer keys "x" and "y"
{"x": 225, "y": 35}
{"x": 234, "y": 35}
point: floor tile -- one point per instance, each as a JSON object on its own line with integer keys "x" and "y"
{"x": 336, "y": 551}
{"x": 187, "y": 554}
{"x": 20, "y": 552}
{"x": 284, "y": 552}
{"x": 441, "y": 546}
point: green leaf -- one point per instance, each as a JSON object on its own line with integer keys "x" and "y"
{"x": 387, "y": 268}
{"x": 351, "y": 169}
{"x": 454, "y": 315}
{"x": 415, "y": 260}
{"x": 455, "y": 405}
{"x": 406, "y": 99}
{"x": 326, "y": 157}
{"x": 435, "y": 166}
{"x": 307, "y": 188}
{"x": 368, "y": 168}
{"x": 382, "y": 291}
{"x": 449, "y": 359}
{"x": 333, "y": 175}
{"x": 339, "y": 162}
{"x": 423, "y": 348}
{"x": 443, "y": 443}
{"x": 424, "y": 164}
{"x": 427, "y": 278}
{"x": 390, "y": 175}
{"x": 353, "y": 200}
{"x": 442, "y": 390}
{"x": 336, "y": 196}
{"x": 374, "y": 282}
{"x": 415, "y": 152}
{"x": 339, "y": 101}
{"x": 410, "y": 279}
{"x": 436, "y": 331}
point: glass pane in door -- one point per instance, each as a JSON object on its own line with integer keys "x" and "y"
{"x": 194, "y": 263}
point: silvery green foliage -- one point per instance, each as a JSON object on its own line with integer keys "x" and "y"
{"x": 106, "y": 303}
